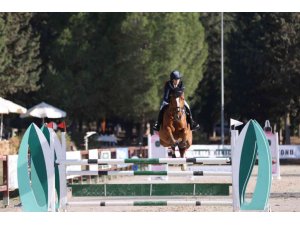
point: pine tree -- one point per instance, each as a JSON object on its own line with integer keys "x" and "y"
{"x": 19, "y": 47}
{"x": 264, "y": 62}
{"x": 151, "y": 46}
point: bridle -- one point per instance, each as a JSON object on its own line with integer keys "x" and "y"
{"x": 178, "y": 112}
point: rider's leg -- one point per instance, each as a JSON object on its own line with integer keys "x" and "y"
{"x": 159, "y": 121}
{"x": 194, "y": 125}
{"x": 160, "y": 117}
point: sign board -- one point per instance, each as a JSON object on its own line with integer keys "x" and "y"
{"x": 93, "y": 154}
{"x": 156, "y": 150}
{"x": 289, "y": 151}
{"x": 209, "y": 151}
{"x": 73, "y": 155}
{"x": 122, "y": 153}
{"x": 105, "y": 155}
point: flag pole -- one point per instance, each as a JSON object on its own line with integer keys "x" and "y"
{"x": 222, "y": 82}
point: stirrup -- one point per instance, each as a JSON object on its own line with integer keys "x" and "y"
{"x": 195, "y": 126}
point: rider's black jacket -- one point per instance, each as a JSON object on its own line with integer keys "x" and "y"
{"x": 169, "y": 88}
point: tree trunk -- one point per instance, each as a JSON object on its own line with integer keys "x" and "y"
{"x": 128, "y": 136}
{"x": 80, "y": 125}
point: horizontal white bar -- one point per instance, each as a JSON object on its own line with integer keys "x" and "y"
{"x": 213, "y": 160}
{"x": 161, "y": 160}
{"x": 107, "y": 203}
{"x": 168, "y": 202}
{"x": 85, "y": 161}
{"x": 216, "y": 202}
{"x": 95, "y": 173}
{"x": 216, "y": 173}
{"x": 169, "y": 173}
{"x": 198, "y": 160}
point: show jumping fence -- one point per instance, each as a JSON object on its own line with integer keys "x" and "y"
{"x": 48, "y": 172}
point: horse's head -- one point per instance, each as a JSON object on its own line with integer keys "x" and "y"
{"x": 177, "y": 103}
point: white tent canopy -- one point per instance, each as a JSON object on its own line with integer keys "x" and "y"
{"x": 3, "y": 108}
{"x": 6, "y": 107}
{"x": 44, "y": 110}
{"x": 12, "y": 107}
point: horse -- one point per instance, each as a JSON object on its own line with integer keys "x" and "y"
{"x": 175, "y": 131}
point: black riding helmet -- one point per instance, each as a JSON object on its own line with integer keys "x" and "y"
{"x": 175, "y": 75}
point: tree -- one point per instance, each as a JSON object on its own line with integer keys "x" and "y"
{"x": 264, "y": 63}
{"x": 19, "y": 54}
{"x": 151, "y": 46}
{"x": 78, "y": 55}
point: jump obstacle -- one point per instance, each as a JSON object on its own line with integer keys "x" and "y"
{"x": 48, "y": 171}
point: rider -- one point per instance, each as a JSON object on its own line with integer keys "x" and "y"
{"x": 170, "y": 85}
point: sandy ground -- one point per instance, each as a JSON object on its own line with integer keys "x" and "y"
{"x": 285, "y": 195}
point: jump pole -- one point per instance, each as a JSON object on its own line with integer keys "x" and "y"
{"x": 150, "y": 173}
{"x": 146, "y": 161}
{"x": 151, "y": 203}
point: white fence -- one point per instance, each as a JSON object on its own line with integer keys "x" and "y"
{"x": 213, "y": 151}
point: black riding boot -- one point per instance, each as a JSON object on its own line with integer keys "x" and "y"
{"x": 194, "y": 125}
{"x": 159, "y": 120}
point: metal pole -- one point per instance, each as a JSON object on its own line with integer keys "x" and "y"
{"x": 222, "y": 82}
{"x": 1, "y": 128}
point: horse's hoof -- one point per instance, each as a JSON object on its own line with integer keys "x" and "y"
{"x": 173, "y": 155}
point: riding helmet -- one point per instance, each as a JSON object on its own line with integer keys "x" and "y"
{"x": 175, "y": 75}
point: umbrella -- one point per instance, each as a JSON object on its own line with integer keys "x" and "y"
{"x": 13, "y": 107}
{"x": 44, "y": 110}
{"x": 3, "y": 108}
{"x": 6, "y": 107}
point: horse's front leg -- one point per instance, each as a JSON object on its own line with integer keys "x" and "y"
{"x": 172, "y": 139}
{"x": 183, "y": 143}
{"x": 182, "y": 148}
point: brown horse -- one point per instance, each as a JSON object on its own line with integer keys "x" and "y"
{"x": 175, "y": 131}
